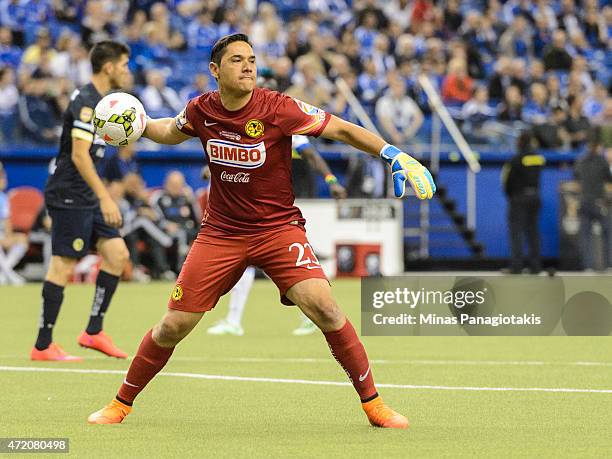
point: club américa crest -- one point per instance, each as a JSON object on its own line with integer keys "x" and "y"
{"x": 254, "y": 128}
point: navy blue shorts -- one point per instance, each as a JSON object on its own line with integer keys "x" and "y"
{"x": 75, "y": 231}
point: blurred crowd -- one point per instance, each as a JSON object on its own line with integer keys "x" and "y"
{"x": 160, "y": 224}
{"x": 499, "y": 66}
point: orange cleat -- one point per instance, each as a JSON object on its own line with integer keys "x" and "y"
{"x": 101, "y": 342}
{"x": 380, "y": 415}
{"x": 113, "y": 413}
{"x": 53, "y": 353}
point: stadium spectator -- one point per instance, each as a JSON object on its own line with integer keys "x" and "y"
{"x": 457, "y": 86}
{"x": 370, "y": 82}
{"x": 318, "y": 56}
{"x": 553, "y": 134}
{"x": 13, "y": 245}
{"x": 156, "y": 49}
{"x": 231, "y": 22}
{"x": 544, "y": 12}
{"x": 37, "y": 13}
{"x": 13, "y": 15}
{"x": 96, "y": 25}
{"x": 282, "y": 70}
{"x": 595, "y": 28}
{"x": 424, "y": 13}
{"x": 10, "y": 55}
{"x": 516, "y": 40}
{"x": 32, "y": 55}
{"x": 67, "y": 13}
{"x": 336, "y": 12}
{"x": 567, "y": 19}
{"x": 514, "y": 8}
{"x": 577, "y": 125}
{"x": 202, "y": 32}
{"x": 453, "y": 18}
{"x": 541, "y": 35}
{"x": 201, "y": 84}
{"x": 367, "y": 32}
{"x": 593, "y": 172}
{"x": 479, "y": 118}
{"x": 519, "y": 75}
{"x": 406, "y": 48}
{"x": 537, "y": 72}
{"x": 555, "y": 93}
{"x": 349, "y": 47}
{"x": 274, "y": 43}
{"x": 511, "y": 109}
{"x": 478, "y": 33}
{"x": 9, "y": 99}
{"x": 501, "y": 79}
{"x": 555, "y": 55}
{"x": 383, "y": 59}
{"x": 71, "y": 60}
{"x": 339, "y": 103}
{"x": 266, "y": 14}
{"x": 580, "y": 71}
{"x": 169, "y": 34}
{"x": 398, "y": 114}
{"x": 141, "y": 224}
{"x": 537, "y": 110}
{"x": 37, "y": 116}
{"x": 159, "y": 99}
{"x": 371, "y": 7}
{"x": 309, "y": 86}
{"x": 177, "y": 207}
{"x": 296, "y": 42}
{"x": 594, "y": 104}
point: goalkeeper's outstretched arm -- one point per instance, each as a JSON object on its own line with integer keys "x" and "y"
{"x": 403, "y": 166}
{"x": 351, "y": 134}
{"x": 165, "y": 131}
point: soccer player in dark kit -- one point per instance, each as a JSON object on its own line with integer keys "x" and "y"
{"x": 83, "y": 213}
{"x": 252, "y": 221}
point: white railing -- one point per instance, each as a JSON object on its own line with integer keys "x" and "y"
{"x": 464, "y": 148}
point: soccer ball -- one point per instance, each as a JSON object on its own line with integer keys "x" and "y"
{"x": 119, "y": 119}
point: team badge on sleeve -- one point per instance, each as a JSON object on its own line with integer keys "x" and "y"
{"x": 315, "y": 117}
{"x": 309, "y": 109}
{"x": 86, "y": 114}
{"x": 177, "y": 293}
{"x": 254, "y": 128}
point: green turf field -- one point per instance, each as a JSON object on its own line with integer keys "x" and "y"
{"x": 179, "y": 415}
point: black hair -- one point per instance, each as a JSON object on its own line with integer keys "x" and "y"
{"x": 106, "y": 51}
{"x": 525, "y": 141}
{"x": 219, "y": 48}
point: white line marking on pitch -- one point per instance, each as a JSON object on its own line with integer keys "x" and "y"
{"x": 373, "y": 361}
{"x": 307, "y": 381}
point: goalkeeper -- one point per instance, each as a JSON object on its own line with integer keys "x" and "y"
{"x": 251, "y": 220}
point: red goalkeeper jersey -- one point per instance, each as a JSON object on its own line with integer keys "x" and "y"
{"x": 249, "y": 154}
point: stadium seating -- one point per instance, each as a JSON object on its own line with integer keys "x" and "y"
{"x": 25, "y": 203}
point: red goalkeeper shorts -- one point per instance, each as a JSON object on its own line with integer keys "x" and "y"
{"x": 217, "y": 260}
